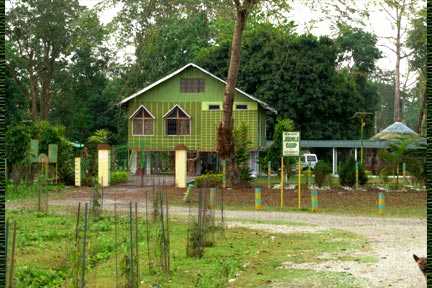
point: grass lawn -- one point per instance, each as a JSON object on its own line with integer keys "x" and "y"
{"x": 253, "y": 258}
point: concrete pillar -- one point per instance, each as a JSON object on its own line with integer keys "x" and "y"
{"x": 77, "y": 171}
{"x": 334, "y": 161}
{"x": 104, "y": 164}
{"x": 180, "y": 165}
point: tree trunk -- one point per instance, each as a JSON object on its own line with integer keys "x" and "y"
{"x": 422, "y": 115}
{"x": 225, "y": 133}
{"x": 397, "y": 100}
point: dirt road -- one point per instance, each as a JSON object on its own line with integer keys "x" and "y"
{"x": 393, "y": 241}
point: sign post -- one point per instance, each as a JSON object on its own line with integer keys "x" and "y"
{"x": 291, "y": 147}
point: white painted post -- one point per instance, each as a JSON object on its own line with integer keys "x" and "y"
{"x": 355, "y": 154}
{"x": 334, "y": 161}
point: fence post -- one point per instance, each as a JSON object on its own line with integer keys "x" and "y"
{"x": 381, "y": 203}
{"x": 12, "y": 261}
{"x": 84, "y": 248}
{"x": 314, "y": 200}
{"x": 258, "y": 199}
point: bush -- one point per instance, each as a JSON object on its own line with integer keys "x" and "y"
{"x": 322, "y": 171}
{"x": 347, "y": 174}
{"x": 119, "y": 177}
{"x": 209, "y": 180}
{"x": 32, "y": 276}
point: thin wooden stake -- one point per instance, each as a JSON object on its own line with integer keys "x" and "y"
{"x": 131, "y": 258}
{"x": 84, "y": 247}
{"x": 12, "y": 262}
{"x": 116, "y": 238}
{"x": 148, "y": 232}
{"x": 136, "y": 243}
{"x": 77, "y": 224}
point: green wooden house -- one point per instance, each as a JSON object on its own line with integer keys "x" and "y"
{"x": 185, "y": 107}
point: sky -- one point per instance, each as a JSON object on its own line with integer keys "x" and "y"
{"x": 379, "y": 23}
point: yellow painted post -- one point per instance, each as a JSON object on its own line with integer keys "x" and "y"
{"x": 282, "y": 184}
{"x": 77, "y": 171}
{"x": 180, "y": 166}
{"x": 258, "y": 198}
{"x": 299, "y": 184}
{"x": 104, "y": 151}
{"x": 314, "y": 200}
{"x": 381, "y": 203}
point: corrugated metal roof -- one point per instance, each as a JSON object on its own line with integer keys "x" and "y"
{"x": 342, "y": 144}
{"x": 394, "y": 131}
{"x": 377, "y": 144}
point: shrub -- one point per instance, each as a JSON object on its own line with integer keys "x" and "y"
{"x": 119, "y": 177}
{"x": 31, "y": 276}
{"x": 209, "y": 180}
{"x": 322, "y": 171}
{"x": 347, "y": 174}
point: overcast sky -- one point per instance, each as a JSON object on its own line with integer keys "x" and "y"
{"x": 379, "y": 24}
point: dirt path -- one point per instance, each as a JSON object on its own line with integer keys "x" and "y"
{"x": 393, "y": 241}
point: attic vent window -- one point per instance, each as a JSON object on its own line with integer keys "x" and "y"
{"x": 142, "y": 122}
{"x": 214, "y": 107}
{"x": 241, "y": 107}
{"x": 192, "y": 85}
{"x": 178, "y": 122}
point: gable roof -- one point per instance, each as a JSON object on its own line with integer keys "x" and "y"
{"x": 176, "y": 106}
{"x": 127, "y": 99}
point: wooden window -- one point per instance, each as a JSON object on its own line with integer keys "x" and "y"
{"x": 241, "y": 106}
{"x": 142, "y": 122}
{"x": 177, "y": 122}
{"x": 214, "y": 107}
{"x": 192, "y": 85}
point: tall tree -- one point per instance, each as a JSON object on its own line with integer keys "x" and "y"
{"x": 417, "y": 42}
{"x": 398, "y": 12}
{"x": 298, "y": 75}
{"x": 225, "y": 145}
{"x": 41, "y": 32}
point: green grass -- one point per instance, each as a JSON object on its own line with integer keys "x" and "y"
{"x": 24, "y": 191}
{"x": 45, "y": 244}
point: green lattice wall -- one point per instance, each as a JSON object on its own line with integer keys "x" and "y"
{"x": 160, "y": 99}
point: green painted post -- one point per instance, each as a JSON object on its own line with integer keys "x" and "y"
{"x": 357, "y": 175}
{"x": 268, "y": 174}
{"x": 381, "y": 203}
{"x": 258, "y": 198}
{"x": 314, "y": 200}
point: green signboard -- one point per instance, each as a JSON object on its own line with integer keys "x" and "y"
{"x": 52, "y": 153}
{"x": 34, "y": 150}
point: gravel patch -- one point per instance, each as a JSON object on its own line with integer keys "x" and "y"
{"x": 393, "y": 240}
